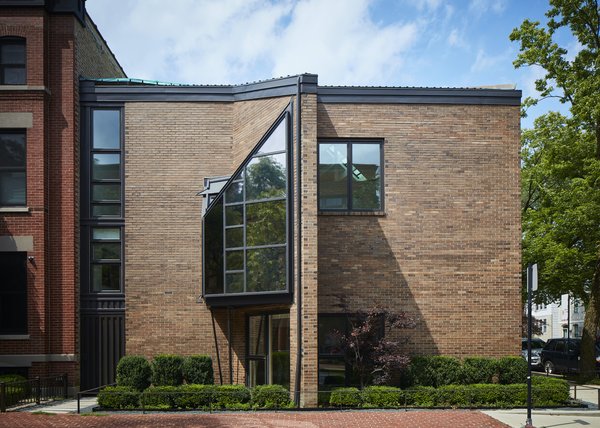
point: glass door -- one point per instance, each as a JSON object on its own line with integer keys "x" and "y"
{"x": 269, "y": 350}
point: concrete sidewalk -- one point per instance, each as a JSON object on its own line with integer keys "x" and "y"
{"x": 64, "y": 406}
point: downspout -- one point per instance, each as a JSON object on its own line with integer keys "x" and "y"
{"x": 298, "y": 245}
{"x": 229, "y": 343}
{"x": 212, "y": 315}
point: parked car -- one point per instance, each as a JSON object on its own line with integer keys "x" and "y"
{"x": 563, "y": 355}
{"x": 536, "y": 349}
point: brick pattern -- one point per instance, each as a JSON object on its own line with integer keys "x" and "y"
{"x": 52, "y": 179}
{"x": 447, "y": 249}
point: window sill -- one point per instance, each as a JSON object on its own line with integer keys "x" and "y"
{"x": 354, "y": 213}
{"x": 14, "y": 209}
{"x": 24, "y": 88}
{"x": 14, "y": 337}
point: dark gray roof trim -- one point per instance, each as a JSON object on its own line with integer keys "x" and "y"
{"x": 388, "y": 95}
{"x": 97, "y": 91}
{"x": 92, "y": 91}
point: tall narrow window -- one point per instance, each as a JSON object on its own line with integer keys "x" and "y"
{"x": 350, "y": 176}
{"x": 106, "y": 161}
{"x": 246, "y": 226}
{"x": 13, "y": 293}
{"x": 13, "y": 175}
{"x": 106, "y": 259}
{"x": 12, "y": 61}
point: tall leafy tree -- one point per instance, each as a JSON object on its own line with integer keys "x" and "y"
{"x": 561, "y": 160}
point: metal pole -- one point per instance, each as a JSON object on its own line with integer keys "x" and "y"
{"x": 568, "y": 318}
{"x": 528, "y": 423}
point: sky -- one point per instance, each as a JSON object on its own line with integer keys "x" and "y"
{"x": 430, "y": 43}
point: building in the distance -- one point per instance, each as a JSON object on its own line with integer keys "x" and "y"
{"x": 560, "y": 319}
{"x": 234, "y": 220}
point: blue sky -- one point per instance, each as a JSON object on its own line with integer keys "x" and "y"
{"x": 449, "y": 43}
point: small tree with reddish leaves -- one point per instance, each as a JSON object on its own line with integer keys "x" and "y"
{"x": 373, "y": 357}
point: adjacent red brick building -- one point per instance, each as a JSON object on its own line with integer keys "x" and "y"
{"x": 233, "y": 220}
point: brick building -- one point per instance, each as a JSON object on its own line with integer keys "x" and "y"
{"x": 45, "y": 46}
{"x": 233, "y": 220}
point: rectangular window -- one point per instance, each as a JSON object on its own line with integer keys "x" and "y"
{"x": 350, "y": 175}
{"x": 13, "y": 293}
{"x": 105, "y": 269}
{"x": 106, "y": 186}
{"x": 12, "y": 61}
{"x": 13, "y": 176}
{"x": 333, "y": 370}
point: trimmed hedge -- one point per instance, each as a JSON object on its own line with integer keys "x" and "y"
{"x": 435, "y": 371}
{"x": 119, "y": 397}
{"x": 479, "y": 370}
{"x": 134, "y": 371}
{"x": 382, "y": 397}
{"x": 233, "y": 396}
{"x": 198, "y": 369}
{"x": 512, "y": 370}
{"x": 167, "y": 370}
{"x": 270, "y": 397}
{"x": 345, "y": 397}
{"x": 196, "y": 397}
{"x": 160, "y": 397}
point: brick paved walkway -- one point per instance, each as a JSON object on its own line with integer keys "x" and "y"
{"x": 364, "y": 419}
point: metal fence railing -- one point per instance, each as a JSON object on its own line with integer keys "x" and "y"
{"x": 33, "y": 391}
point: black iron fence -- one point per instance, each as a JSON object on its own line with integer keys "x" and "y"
{"x": 33, "y": 391}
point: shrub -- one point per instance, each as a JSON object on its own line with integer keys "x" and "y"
{"x": 196, "y": 396}
{"x": 232, "y": 396}
{"x": 167, "y": 370}
{"x": 479, "y": 370}
{"x": 134, "y": 371}
{"x": 435, "y": 371}
{"x": 548, "y": 391}
{"x": 453, "y": 396}
{"x": 512, "y": 370}
{"x": 381, "y": 396}
{"x": 160, "y": 397}
{"x": 16, "y": 390}
{"x": 345, "y": 397}
{"x": 486, "y": 395}
{"x": 119, "y": 397}
{"x": 198, "y": 369}
{"x": 421, "y": 396}
{"x": 270, "y": 397}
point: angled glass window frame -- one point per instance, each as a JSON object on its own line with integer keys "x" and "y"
{"x": 230, "y": 199}
{"x": 349, "y": 177}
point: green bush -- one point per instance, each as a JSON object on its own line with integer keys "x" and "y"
{"x": 345, "y": 397}
{"x": 453, "y": 396}
{"x": 233, "y": 396}
{"x": 167, "y": 370}
{"x": 160, "y": 397}
{"x": 382, "y": 396}
{"x": 486, "y": 395}
{"x": 119, "y": 397}
{"x": 134, "y": 371}
{"x": 435, "y": 371}
{"x": 421, "y": 396}
{"x": 512, "y": 370}
{"x": 479, "y": 370}
{"x": 198, "y": 369}
{"x": 549, "y": 391}
{"x": 17, "y": 389}
{"x": 196, "y": 396}
{"x": 270, "y": 397}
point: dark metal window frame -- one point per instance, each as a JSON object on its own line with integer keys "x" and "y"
{"x": 89, "y": 222}
{"x": 95, "y": 261}
{"x": 267, "y": 330}
{"x": 349, "y": 142}
{"x": 13, "y": 40}
{"x": 246, "y": 298}
{"x": 24, "y": 329}
{"x": 17, "y": 169}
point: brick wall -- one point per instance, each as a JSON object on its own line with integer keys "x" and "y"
{"x": 447, "y": 249}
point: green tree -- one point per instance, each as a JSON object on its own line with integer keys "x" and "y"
{"x": 561, "y": 160}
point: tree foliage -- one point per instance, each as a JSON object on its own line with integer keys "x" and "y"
{"x": 561, "y": 160}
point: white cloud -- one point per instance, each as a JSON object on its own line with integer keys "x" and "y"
{"x": 485, "y": 61}
{"x": 233, "y": 41}
{"x": 425, "y": 4}
{"x": 481, "y": 7}
{"x": 456, "y": 39}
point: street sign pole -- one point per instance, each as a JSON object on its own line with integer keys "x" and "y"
{"x": 531, "y": 287}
